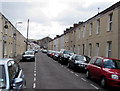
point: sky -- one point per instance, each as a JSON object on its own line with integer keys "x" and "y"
{"x": 50, "y": 17}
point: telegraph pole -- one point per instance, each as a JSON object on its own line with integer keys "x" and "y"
{"x": 27, "y": 34}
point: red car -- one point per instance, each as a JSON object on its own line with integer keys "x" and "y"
{"x": 107, "y": 70}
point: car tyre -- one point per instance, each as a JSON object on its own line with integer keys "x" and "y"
{"x": 88, "y": 74}
{"x": 103, "y": 82}
{"x": 68, "y": 65}
{"x": 60, "y": 60}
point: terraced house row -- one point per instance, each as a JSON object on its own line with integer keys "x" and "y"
{"x": 11, "y": 40}
{"x": 97, "y": 36}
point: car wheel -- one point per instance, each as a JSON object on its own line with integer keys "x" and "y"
{"x": 88, "y": 74}
{"x": 68, "y": 65}
{"x": 60, "y": 60}
{"x": 24, "y": 85}
{"x": 103, "y": 82}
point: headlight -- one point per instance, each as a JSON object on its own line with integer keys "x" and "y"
{"x": 81, "y": 65}
{"x": 76, "y": 62}
{"x": 66, "y": 56}
{"x": 113, "y": 76}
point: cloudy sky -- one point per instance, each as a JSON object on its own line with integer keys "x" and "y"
{"x": 50, "y": 17}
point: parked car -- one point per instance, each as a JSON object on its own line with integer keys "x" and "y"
{"x": 36, "y": 51}
{"x": 28, "y": 56}
{"x": 44, "y": 51}
{"x": 11, "y": 75}
{"x": 107, "y": 70}
{"x": 78, "y": 62}
{"x": 49, "y": 52}
{"x": 64, "y": 56}
{"x": 52, "y": 54}
{"x": 56, "y": 55}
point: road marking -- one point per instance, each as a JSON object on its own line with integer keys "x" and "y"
{"x": 83, "y": 79}
{"x": 34, "y": 85}
{"x": 72, "y": 72}
{"x": 68, "y": 70}
{"x": 94, "y": 86}
{"x": 35, "y": 68}
{"x": 76, "y": 74}
{"x": 65, "y": 67}
{"x": 35, "y": 63}
{"x": 34, "y": 79}
{"x": 34, "y": 74}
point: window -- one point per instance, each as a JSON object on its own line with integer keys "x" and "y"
{"x": 2, "y": 77}
{"x": 13, "y": 69}
{"x": 73, "y": 58}
{"x": 98, "y": 26}
{"x": 79, "y": 58}
{"x": 97, "y": 49}
{"x": 79, "y": 32}
{"x": 92, "y": 61}
{"x": 90, "y": 49}
{"x": 84, "y": 30}
{"x": 78, "y": 49}
{"x": 83, "y": 49}
{"x": 109, "y": 49}
{"x": 98, "y": 62}
{"x": 110, "y": 22}
{"x": 91, "y": 28}
{"x": 109, "y": 63}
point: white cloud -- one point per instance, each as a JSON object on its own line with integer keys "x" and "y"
{"x": 50, "y": 17}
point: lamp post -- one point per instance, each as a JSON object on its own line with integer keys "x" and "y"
{"x": 18, "y": 23}
{"x": 14, "y": 36}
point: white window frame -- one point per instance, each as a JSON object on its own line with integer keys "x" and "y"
{"x": 91, "y": 28}
{"x": 98, "y": 26}
{"x": 109, "y": 49}
{"x": 110, "y": 22}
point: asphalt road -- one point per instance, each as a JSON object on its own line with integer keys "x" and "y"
{"x": 45, "y": 73}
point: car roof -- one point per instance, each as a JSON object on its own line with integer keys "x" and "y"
{"x": 29, "y": 51}
{"x": 110, "y": 58}
{"x": 78, "y": 55}
{"x": 5, "y": 60}
{"x": 106, "y": 58}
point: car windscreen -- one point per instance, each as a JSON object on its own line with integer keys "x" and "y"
{"x": 113, "y": 64}
{"x": 87, "y": 58}
{"x": 80, "y": 58}
{"x": 68, "y": 52}
{"x": 29, "y": 53}
{"x": 2, "y": 77}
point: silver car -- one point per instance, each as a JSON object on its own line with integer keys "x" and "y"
{"x": 28, "y": 56}
{"x": 11, "y": 75}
